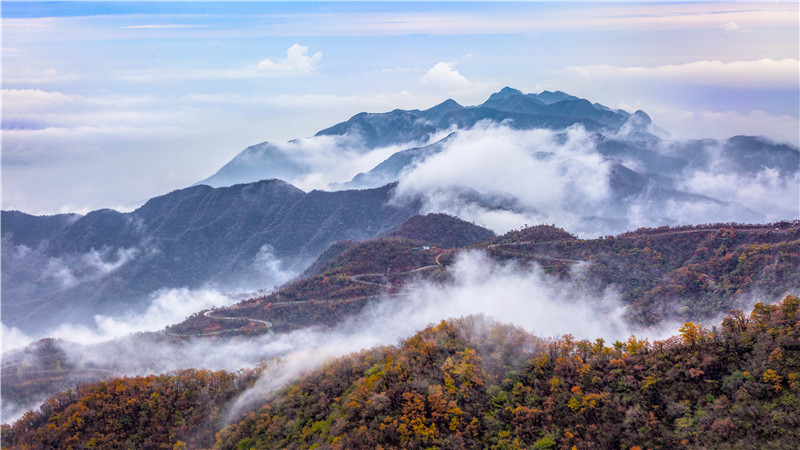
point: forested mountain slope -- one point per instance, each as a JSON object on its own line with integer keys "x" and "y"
{"x": 685, "y": 273}
{"x": 471, "y": 383}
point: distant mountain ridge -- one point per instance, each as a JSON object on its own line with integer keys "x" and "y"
{"x": 619, "y": 134}
{"x": 244, "y": 231}
{"x": 551, "y": 110}
{"x": 644, "y": 169}
{"x": 62, "y": 268}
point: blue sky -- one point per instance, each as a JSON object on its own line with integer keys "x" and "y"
{"x": 106, "y": 104}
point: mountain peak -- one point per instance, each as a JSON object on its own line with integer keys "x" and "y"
{"x": 436, "y": 112}
{"x": 643, "y": 117}
{"x": 549, "y": 97}
{"x": 505, "y": 93}
{"x": 449, "y": 103}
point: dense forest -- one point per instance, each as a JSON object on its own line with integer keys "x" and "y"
{"x": 470, "y": 383}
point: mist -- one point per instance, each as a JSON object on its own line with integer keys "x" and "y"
{"x": 32, "y": 271}
{"x": 525, "y": 296}
{"x": 503, "y": 178}
{"x": 167, "y": 306}
{"x": 323, "y": 162}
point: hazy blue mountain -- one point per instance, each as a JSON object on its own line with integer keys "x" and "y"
{"x": 389, "y": 170}
{"x": 257, "y": 162}
{"x": 68, "y": 268}
{"x": 554, "y": 104}
{"x": 550, "y": 110}
{"x": 620, "y": 135}
{"x": 548, "y": 97}
{"x": 746, "y": 155}
{"x": 435, "y": 113}
{"x": 383, "y": 129}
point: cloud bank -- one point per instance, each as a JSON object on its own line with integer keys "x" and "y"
{"x": 503, "y": 178}
{"x": 764, "y": 73}
{"x": 529, "y": 176}
{"x": 167, "y": 307}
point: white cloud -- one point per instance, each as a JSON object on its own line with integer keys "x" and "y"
{"x": 296, "y": 61}
{"x": 547, "y": 174}
{"x": 763, "y": 73}
{"x": 776, "y": 196}
{"x": 29, "y": 75}
{"x": 730, "y": 26}
{"x": 444, "y": 77}
{"x": 167, "y": 307}
{"x": 528, "y": 298}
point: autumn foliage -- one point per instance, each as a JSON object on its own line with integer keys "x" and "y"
{"x": 470, "y": 383}
{"x": 164, "y": 411}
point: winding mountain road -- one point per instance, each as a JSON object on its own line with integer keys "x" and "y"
{"x": 353, "y": 278}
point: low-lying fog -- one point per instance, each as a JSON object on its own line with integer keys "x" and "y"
{"x": 541, "y": 304}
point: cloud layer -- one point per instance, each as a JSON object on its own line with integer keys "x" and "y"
{"x": 764, "y": 73}
{"x": 503, "y": 178}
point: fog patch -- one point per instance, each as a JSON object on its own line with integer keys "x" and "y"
{"x": 542, "y": 168}
{"x": 13, "y": 337}
{"x": 503, "y": 178}
{"x": 267, "y": 263}
{"x": 167, "y": 306}
{"x": 776, "y": 196}
{"x": 319, "y": 162}
{"x": 330, "y": 165}
{"x": 49, "y": 272}
{"x": 541, "y": 304}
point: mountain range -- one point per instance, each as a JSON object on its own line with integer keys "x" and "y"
{"x": 374, "y": 263}
{"x": 67, "y": 268}
{"x": 644, "y": 168}
{"x": 243, "y": 229}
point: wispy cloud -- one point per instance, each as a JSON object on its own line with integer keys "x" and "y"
{"x": 730, "y": 26}
{"x": 296, "y": 63}
{"x": 766, "y": 73}
{"x": 165, "y": 26}
{"x": 30, "y": 75}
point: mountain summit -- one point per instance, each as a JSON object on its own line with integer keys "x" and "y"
{"x": 365, "y": 132}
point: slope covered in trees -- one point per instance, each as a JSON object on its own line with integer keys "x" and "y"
{"x": 442, "y": 230}
{"x": 684, "y": 272}
{"x": 470, "y": 383}
{"x": 176, "y": 410}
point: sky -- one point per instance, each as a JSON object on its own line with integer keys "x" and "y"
{"x": 106, "y": 104}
